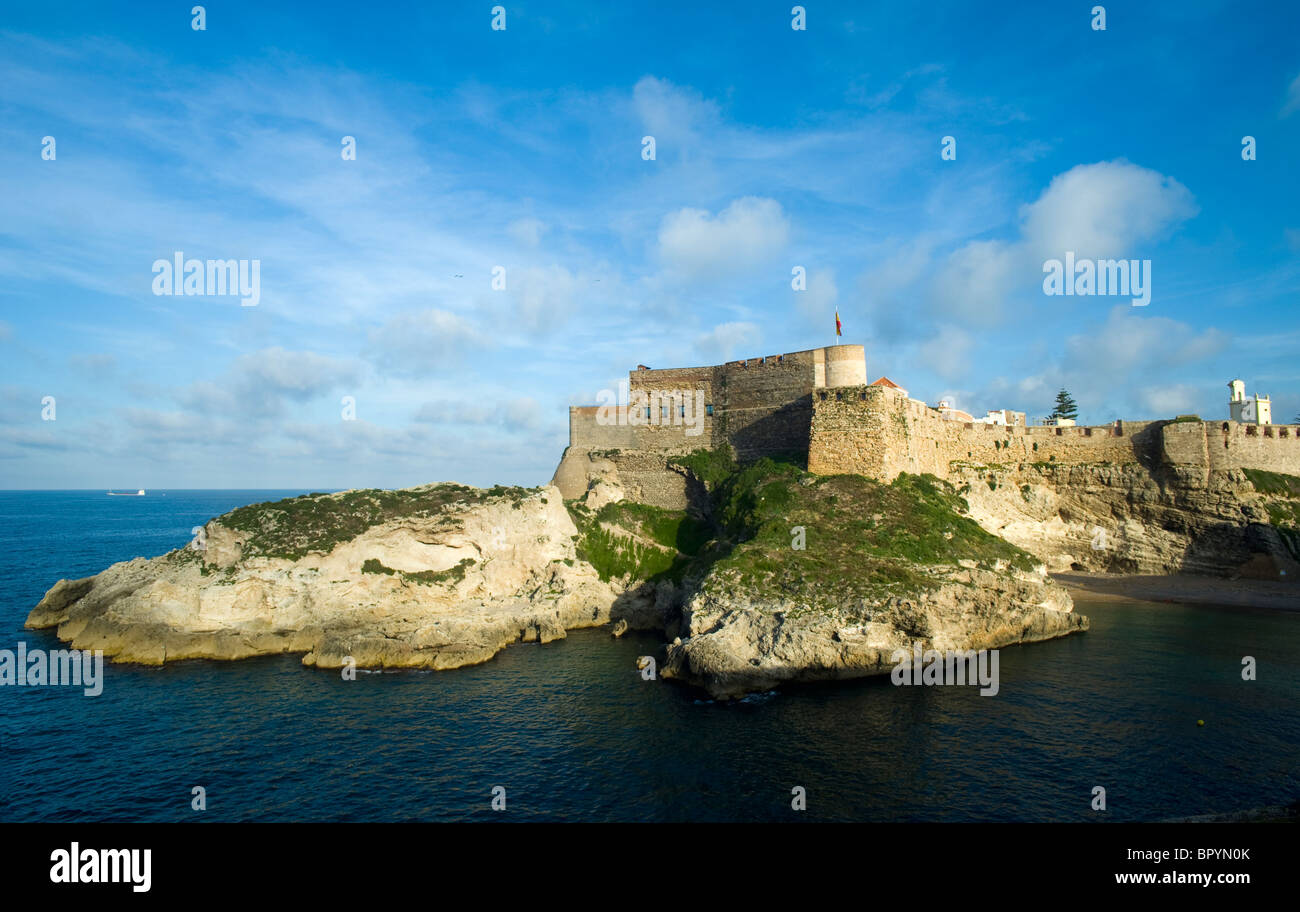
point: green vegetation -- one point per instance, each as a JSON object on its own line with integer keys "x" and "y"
{"x": 291, "y": 529}
{"x": 711, "y": 467}
{"x": 1274, "y": 482}
{"x": 1282, "y": 493}
{"x": 1065, "y": 406}
{"x": 428, "y": 577}
{"x": 822, "y": 541}
{"x": 637, "y": 540}
{"x": 1183, "y": 419}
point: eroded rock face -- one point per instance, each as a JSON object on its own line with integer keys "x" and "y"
{"x": 441, "y": 591}
{"x": 737, "y": 643}
{"x": 1129, "y": 519}
{"x": 452, "y": 585}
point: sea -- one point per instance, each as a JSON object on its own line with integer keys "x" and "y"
{"x": 570, "y": 730}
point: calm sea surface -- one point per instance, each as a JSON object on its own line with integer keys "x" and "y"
{"x": 571, "y": 731}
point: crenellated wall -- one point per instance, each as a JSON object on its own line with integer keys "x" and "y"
{"x": 1274, "y": 447}
{"x": 803, "y": 403}
{"x": 880, "y": 433}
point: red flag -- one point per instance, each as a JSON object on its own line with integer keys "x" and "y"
{"x": 837, "y": 322}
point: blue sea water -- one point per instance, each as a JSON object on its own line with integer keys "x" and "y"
{"x": 572, "y": 732}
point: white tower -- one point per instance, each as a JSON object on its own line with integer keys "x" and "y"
{"x": 1237, "y": 400}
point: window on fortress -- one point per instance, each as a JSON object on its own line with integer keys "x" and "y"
{"x": 647, "y": 413}
{"x": 708, "y": 410}
{"x": 681, "y": 410}
{"x": 663, "y": 411}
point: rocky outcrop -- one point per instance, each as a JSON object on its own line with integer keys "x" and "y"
{"x": 1130, "y": 518}
{"x": 735, "y": 644}
{"x": 445, "y": 576}
{"x": 431, "y": 588}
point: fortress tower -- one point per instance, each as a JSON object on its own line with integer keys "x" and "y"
{"x": 758, "y": 406}
{"x": 1255, "y": 409}
{"x": 817, "y": 404}
{"x": 846, "y": 365}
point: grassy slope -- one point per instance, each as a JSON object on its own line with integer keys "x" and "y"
{"x": 862, "y": 540}
{"x": 292, "y": 528}
{"x": 1282, "y": 500}
{"x": 637, "y": 541}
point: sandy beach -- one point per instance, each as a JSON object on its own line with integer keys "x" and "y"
{"x": 1244, "y": 593}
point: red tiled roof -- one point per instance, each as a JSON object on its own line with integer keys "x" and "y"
{"x": 885, "y": 381}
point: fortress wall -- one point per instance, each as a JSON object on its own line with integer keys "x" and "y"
{"x": 880, "y": 433}
{"x": 1232, "y": 445}
{"x": 586, "y": 432}
{"x": 766, "y": 407}
{"x": 646, "y": 478}
{"x": 854, "y": 430}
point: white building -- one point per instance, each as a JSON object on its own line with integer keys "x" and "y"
{"x": 1255, "y": 410}
{"x": 1003, "y": 418}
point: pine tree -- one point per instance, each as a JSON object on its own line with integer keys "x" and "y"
{"x": 1065, "y": 406}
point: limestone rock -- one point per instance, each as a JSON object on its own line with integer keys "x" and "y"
{"x": 738, "y": 645}
{"x": 441, "y": 591}
{"x": 1130, "y": 519}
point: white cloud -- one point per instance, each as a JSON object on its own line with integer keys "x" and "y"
{"x": 975, "y": 282}
{"x": 1175, "y": 399}
{"x": 671, "y": 114}
{"x": 423, "y": 342}
{"x": 1128, "y": 343}
{"x": 817, "y": 301}
{"x": 725, "y": 339}
{"x": 544, "y": 297}
{"x": 527, "y": 231}
{"x": 1292, "y": 98}
{"x": 694, "y": 244}
{"x": 947, "y": 353}
{"x": 1104, "y": 210}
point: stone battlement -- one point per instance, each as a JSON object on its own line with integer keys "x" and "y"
{"x": 817, "y": 404}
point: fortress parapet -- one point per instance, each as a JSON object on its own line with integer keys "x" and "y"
{"x": 816, "y": 404}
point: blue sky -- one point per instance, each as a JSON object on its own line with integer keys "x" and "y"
{"x": 522, "y": 148}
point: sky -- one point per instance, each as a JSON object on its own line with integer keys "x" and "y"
{"x": 379, "y": 352}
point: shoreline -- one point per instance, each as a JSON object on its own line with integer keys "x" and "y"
{"x": 1181, "y": 587}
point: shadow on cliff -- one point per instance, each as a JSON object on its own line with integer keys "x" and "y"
{"x": 656, "y": 603}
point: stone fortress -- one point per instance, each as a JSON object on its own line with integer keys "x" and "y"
{"x": 817, "y": 405}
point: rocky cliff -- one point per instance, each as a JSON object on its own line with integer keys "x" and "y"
{"x": 437, "y": 577}
{"x": 784, "y": 577}
{"x": 1157, "y": 518}
{"x": 824, "y": 577}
